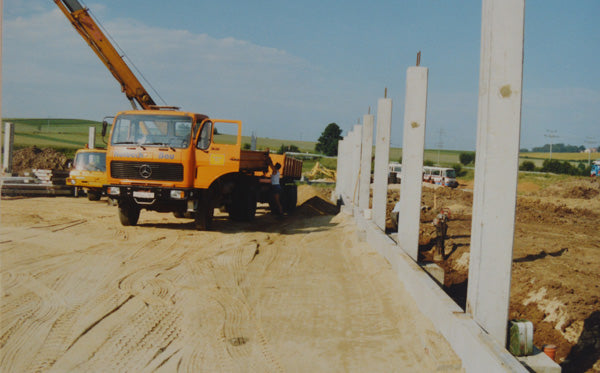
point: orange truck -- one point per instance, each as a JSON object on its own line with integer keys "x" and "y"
{"x": 166, "y": 160}
{"x": 181, "y": 162}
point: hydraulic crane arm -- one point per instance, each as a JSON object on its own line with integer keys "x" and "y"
{"x": 91, "y": 33}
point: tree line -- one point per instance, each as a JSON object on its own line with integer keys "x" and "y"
{"x": 556, "y": 148}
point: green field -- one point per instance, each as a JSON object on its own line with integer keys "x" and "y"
{"x": 62, "y": 134}
{"x": 573, "y": 158}
{"x": 68, "y": 135}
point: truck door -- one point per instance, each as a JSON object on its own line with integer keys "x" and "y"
{"x": 217, "y": 150}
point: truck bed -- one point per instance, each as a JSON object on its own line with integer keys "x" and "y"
{"x": 257, "y": 161}
{"x": 252, "y": 160}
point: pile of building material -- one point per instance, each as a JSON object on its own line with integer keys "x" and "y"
{"x": 37, "y": 183}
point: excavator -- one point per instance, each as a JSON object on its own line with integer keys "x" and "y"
{"x": 161, "y": 159}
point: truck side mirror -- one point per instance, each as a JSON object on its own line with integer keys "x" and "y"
{"x": 104, "y": 127}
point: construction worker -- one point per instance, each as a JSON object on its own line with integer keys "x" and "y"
{"x": 276, "y": 187}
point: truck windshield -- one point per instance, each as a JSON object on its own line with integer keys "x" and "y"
{"x": 90, "y": 161}
{"x": 152, "y": 130}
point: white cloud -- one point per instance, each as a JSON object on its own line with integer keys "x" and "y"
{"x": 49, "y": 71}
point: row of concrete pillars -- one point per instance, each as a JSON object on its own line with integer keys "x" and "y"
{"x": 494, "y": 198}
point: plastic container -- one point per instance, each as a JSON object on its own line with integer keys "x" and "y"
{"x": 550, "y": 350}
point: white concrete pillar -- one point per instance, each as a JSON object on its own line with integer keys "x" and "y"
{"x": 382, "y": 158}
{"x": 413, "y": 145}
{"x": 1, "y": 38}
{"x": 339, "y": 182}
{"x": 9, "y": 139}
{"x": 355, "y": 159}
{"x": 345, "y": 177}
{"x": 496, "y": 166}
{"x": 365, "y": 162}
{"x": 92, "y": 138}
{"x": 349, "y": 171}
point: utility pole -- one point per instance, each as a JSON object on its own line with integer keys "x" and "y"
{"x": 589, "y": 141}
{"x": 440, "y": 145}
{"x": 551, "y": 134}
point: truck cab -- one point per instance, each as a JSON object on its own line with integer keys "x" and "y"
{"x": 89, "y": 172}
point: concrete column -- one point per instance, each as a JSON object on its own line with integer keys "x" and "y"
{"x": 496, "y": 166}
{"x": 349, "y": 172}
{"x": 382, "y": 159}
{"x": 339, "y": 182}
{"x": 355, "y": 159}
{"x": 9, "y": 139}
{"x": 365, "y": 162}
{"x": 1, "y": 38}
{"x": 413, "y": 145}
{"x": 92, "y": 138}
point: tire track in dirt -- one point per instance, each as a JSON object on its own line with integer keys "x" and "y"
{"x": 32, "y": 309}
{"x": 277, "y": 296}
{"x": 237, "y": 342}
{"x": 86, "y": 313}
{"x": 241, "y": 331}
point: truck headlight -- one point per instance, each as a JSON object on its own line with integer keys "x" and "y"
{"x": 113, "y": 191}
{"x": 177, "y": 194}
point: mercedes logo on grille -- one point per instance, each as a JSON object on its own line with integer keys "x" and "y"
{"x": 145, "y": 171}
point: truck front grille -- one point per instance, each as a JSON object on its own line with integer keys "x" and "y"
{"x": 146, "y": 171}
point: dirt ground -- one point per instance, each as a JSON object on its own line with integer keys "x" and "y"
{"x": 556, "y": 262}
{"x": 80, "y": 292}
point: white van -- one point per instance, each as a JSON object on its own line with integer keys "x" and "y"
{"x": 394, "y": 173}
{"x": 440, "y": 176}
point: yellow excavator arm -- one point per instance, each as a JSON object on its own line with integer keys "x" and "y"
{"x": 93, "y": 35}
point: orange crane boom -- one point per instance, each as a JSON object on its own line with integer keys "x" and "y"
{"x": 91, "y": 33}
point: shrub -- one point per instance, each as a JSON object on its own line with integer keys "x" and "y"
{"x": 466, "y": 158}
{"x": 458, "y": 169}
{"x": 527, "y": 166}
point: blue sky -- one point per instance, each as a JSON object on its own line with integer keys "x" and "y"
{"x": 287, "y": 69}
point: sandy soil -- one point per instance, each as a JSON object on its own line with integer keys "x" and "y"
{"x": 80, "y": 292}
{"x": 556, "y": 262}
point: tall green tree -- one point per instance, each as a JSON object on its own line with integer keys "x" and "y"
{"x": 328, "y": 142}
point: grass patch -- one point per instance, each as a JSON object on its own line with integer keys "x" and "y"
{"x": 543, "y": 180}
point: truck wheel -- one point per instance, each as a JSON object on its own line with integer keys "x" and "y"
{"x": 93, "y": 195}
{"x": 244, "y": 205}
{"x": 128, "y": 214}
{"x": 289, "y": 198}
{"x": 203, "y": 216}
